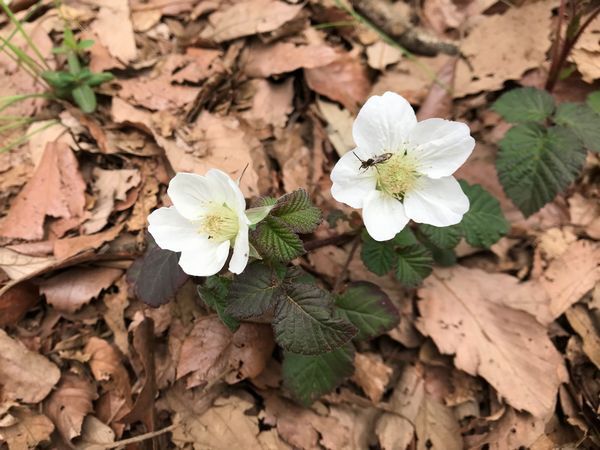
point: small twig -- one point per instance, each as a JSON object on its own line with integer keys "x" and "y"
{"x": 338, "y": 239}
{"x": 340, "y": 279}
{"x": 141, "y": 437}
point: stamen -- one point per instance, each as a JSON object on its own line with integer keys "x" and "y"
{"x": 220, "y": 224}
{"x": 397, "y": 175}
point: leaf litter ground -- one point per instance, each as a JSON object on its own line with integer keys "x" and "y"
{"x": 501, "y": 350}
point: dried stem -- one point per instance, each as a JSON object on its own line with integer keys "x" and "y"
{"x": 340, "y": 279}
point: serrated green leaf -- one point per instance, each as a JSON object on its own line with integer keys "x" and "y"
{"x": 214, "y": 294}
{"x": 583, "y": 121}
{"x": 484, "y": 224}
{"x": 310, "y": 377}
{"x": 442, "y": 237}
{"x": 251, "y": 293}
{"x": 368, "y": 308}
{"x": 593, "y": 101}
{"x": 413, "y": 264}
{"x": 534, "y": 164}
{"x": 378, "y": 257}
{"x": 526, "y": 104}
{"x": 304, "y": 322}
{"x": 275, "y": 240}
{"x": 85, "y": 98}
{"x": 443, "y": 256}
{"x": 296, "y": 210}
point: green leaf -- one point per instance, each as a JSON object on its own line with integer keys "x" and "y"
{"x": 442, "y": 237}
{"x": 310, "y": 377}
{"x": 84, "y": 44}
{"x": 378, "y": 257}
{"x": 304, "y": 322}
{"x": 413, "y": 264}
{"x": 583, "y": 121}
{"x": 534, "y": 164}
{"x": 214, "y": 294}
{"x": 275, "y": 240}
{"x": 251, "y": 292}
{"x": 96, "y": 79}
{"x": 368, "y": 308}
{"x": 296, "y": 210}
{"x": 526, "y": 104}
{"x": 593, "y": 101}
{"x": 85, "y": 98}
{"x": 484, "y": 224}
{"x": 257, "y": 214}
{"x": 156, "y": 276}
{"x": 58, "y": 79}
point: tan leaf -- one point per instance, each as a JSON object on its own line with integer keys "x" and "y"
{"x": 66, "y": 248}
{"x": 520, "y": 38}
{"x": 157, "y": 94}
{"x": 70, "y": 290}
{"x": 211, "y": 352}
{"x": 16, "y": 301}
{"x": 571, "y": 276}
{"x": 115, "y": 315}
{"x": 114, "y": 29}
{"x": 381, "y": 54}
{"x": 271, "y": 104}
{"x": 513, "y": 430}
{"x": 436, "y": 427}
{"x": 70, "y": 403}
{"x": 586, "y": 53}
{"x": 247, "y": 17}
{"x": 581, "y": 321}
{"x": 438, "y": 102}
{"x": 339, "y": 126}
{"x": 56, "y": 189}
{"x": 344, "y": 80}
{"x": 265, "y": 60}
{"x": 442, "y": 15}
{"x": 507, "y": 347}
{"x": 371, "y": 374}
{"x": 109, "y": 186}
{"x": 25, "y": 375}
{"x": 224, "y": 426}
{"x": 583, "y": 210}
{"x": 95, "y": 435}
{"x": 28, "y": 431}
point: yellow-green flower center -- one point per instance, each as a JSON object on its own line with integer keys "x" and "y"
{"x": 397, "y": 175}
{"x": 220, "y": 223}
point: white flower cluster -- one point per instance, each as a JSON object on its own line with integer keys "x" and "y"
{"x": 401, "y": 169}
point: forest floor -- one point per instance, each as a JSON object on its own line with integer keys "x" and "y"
{"x": 272, "y": 87}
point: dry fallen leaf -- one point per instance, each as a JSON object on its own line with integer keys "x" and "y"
{"x": 519, "y": 38}
{"x": 247, "y": 17}
{"x": 583, "y": 324}
{"x": 371, "y": 374}
{"x": 95, "y": 435}
{"x": 70, "y": 403}
{"x": 507, "y": 347}
{"x": 114, "y": 29}
{"x": 282, "y": 57}
{"x": 271, "y": 104}
{"x": 586, "y": 53}
{"x": 339, "y": 126}
{"x": 70, "y": 290}
{"x": 56, "y": 189}
{"x": 109, "y": 186}
{"x": 16, "y": 301}
{"x": 25, "y": 375}
{"x": 344, "y": 80}
{"x": 28, "y": 429}
{"x": 380, "y": 55}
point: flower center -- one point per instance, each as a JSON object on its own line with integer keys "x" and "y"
{"x": 397, "y": 175}
{"x": 220, "y": 224}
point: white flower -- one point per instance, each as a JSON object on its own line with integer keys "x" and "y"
{"x": 207, "y": 218}
{"x": 413, "y": 178}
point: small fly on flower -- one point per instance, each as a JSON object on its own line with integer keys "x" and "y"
{"x": 372, "y": 162}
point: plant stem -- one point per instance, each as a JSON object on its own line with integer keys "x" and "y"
{"x": 338, "y": 239}
{"x": 568, "y": 44}
{"x": 340, "y": 278}
{"x": 26, "y": 137}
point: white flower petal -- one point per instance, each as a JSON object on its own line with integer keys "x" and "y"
{"x": 440, "y": 146}
{"x": 205, "y": 258}
{"x": 383, "y": 124}
{"x": 233, "y": 196}
{"x": 439, "y": 202}
{"x": 241, "y": 250}
{"x": 383, "y": 216}
{"x": 171, "y": 230}
{"x": 351, "y": 184}
{"x": 190, "y": 193}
